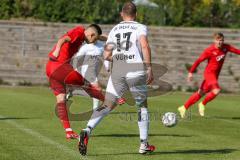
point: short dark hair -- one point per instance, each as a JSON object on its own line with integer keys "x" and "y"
{"x": 129, "y": 8}
{"x": 96, "y": 27}
{"x": 218, "y": 35}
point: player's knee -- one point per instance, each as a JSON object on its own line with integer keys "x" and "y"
{"x": 200, "y": 92}
{"x": 216, "y": 91}
{"x": 60, "y": 98}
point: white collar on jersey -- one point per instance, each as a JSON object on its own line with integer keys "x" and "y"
{"x": 128, "y": 22}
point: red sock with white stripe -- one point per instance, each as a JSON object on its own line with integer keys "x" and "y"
{"x": 63, "y": 115}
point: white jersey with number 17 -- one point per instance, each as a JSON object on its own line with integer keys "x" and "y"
{"x": 124, "y": 38}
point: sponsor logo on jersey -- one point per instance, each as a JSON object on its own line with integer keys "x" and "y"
{"x": 94, "y": 56}
{"x": 219, "y": 58}
{"x": 127, "y": 27}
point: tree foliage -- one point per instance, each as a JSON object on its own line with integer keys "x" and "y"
{"x": 201, "y": 13}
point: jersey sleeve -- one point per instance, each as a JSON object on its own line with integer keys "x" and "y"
{"x": 110, "y": 38}
{"x": 142, "y": 30}
{"x": 79, "y": 57}
{"x": 75, "y": 33}
{"x": 233, "y": 49}
{"x": 81, "y": 51}
{"x": 205, "y": 55}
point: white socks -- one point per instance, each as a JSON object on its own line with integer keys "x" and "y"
{"x": 97, "y": 116}
{"x": 143, "y": 121}
{"x": 95, "y": 103}
{"x": 143, "y": 124}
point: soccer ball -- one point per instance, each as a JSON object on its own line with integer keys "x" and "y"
{"x": 169, "y": 119}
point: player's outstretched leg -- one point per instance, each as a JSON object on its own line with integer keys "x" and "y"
{"x": 76, "y": 79}
{"x": 193, "y": 99}
{"x": 209, "y": 97}
{"x": 93, "y": 90}
{"x": 97, "y": 115}
{"x": 143, "y": 124}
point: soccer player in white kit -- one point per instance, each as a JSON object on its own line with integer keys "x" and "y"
{"x": 89, "y": 61}
{"x": 128, "y": 49}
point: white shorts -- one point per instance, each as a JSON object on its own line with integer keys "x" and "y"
{"x": 118, "y": 86}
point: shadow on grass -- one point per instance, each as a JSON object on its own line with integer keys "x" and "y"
{"x": 137, "y": 135}
{"x": 199, "y": 151}
{"x": 195, "y": 151}
{"x": 16, "y": 118}
{"x": 128, "y": 112}
{"x": 228, "y": 118}
{"x": 234, "y": 118}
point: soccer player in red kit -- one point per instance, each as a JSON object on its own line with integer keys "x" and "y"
{"x": 60, "y": 72}
{"x": 215, "y": 55}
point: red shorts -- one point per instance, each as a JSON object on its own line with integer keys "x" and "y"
{"x": 210, "y": 83}
{"x": 60, "y": 74}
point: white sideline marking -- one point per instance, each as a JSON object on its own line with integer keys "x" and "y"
{"x": 45, "y": 139}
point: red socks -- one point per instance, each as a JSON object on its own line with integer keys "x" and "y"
{"x": 210, "y": 96}
{"x": 193, "y": 99}
{"x": 63, "y": 115}
{"x": 196, "y": 96}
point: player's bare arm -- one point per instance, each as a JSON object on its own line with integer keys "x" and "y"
{"x": 190, "y": 77}
{"x": 147, "y": 57}
{"x": 60, "y": 42}
{"x": 203, "y": 57}
{"x": 107, "y": 55}
{"x": 193, "y": 68}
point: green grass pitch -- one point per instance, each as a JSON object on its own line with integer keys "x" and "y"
{"x": 30, "y": 129}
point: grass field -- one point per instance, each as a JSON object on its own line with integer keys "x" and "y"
{"x": 31, "y": 131}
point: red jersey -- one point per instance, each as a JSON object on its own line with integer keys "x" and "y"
{"x": 68, "y": 49}
{"x": 215, "y": 57}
